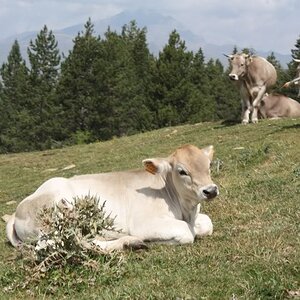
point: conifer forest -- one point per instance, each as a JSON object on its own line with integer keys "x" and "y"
{"x": 110, "y": 86}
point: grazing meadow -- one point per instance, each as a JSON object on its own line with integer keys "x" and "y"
{"x": 254, "y": 252}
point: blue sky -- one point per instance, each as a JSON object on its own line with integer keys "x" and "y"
{"x": 260, "y": 24}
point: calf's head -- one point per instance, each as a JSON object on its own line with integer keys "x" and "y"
{"x": 189, "y": 169}
{"x": 239, "y": 64}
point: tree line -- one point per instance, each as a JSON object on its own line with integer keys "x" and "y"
{"x": 112, "y": 86}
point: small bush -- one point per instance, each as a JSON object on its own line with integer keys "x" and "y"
{"x": 66, "y": 242}
{"x": 81, "y": 137}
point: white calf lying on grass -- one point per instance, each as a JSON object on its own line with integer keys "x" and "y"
{"x": 160, "y": 203}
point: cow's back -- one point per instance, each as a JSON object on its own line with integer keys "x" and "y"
{"x": 294, "y": 107}
{"x": 127, "y": 195}
{"x": 260, "y": 71}
{"x": 279, "y": 106}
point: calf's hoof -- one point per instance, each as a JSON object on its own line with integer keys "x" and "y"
{"x": 135, "y": 245}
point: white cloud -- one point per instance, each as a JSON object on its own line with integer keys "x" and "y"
{"x": 28, "y": 15}
{"x": 264, "y": 24}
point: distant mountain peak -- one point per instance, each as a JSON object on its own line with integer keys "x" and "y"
{"x": 158, "y": 26}
{"x": 144, "y": 17}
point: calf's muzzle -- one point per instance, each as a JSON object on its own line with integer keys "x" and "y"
{"x": 211, "y": 191}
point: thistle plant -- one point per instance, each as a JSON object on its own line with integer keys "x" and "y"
{"x": 66, "y": 239}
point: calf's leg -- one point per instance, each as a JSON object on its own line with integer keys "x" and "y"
{"x": 165, "y": 230}
{"x": 125, "y": 242}
{"x": 203, "y": 225}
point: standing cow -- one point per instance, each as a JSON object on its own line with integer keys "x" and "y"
{"x": 296, "y": 80}
{"x": 254, "y": 75}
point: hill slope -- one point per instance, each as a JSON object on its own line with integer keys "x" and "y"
{"x": 254, "y": 251}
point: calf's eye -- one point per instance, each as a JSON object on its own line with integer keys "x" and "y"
{"x": 182, "y": 172}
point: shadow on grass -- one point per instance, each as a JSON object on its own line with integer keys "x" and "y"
{"x": 286, "y": 127}
{"x": 233, "y": 122}
{"x": 291, "y": 126}
{"x": 228, "y": 123}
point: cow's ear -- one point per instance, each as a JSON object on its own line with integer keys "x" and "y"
{"x": 209, "y": 151}
{"x": 156, "y": 165}
{"x": 248, "y": 59}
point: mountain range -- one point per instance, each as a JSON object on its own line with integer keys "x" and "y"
{"x": 158, "y": 27}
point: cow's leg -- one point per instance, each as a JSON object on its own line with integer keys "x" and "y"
{"x": 246, "y": 105}
{"x": 165, "y": 230}
{"x": 11, "y": 232}
{"x": 203, "y": 225}
{"x": 125, "y": 242}
{"x": 256, "y": 103}
{"x": 246, "y": 110}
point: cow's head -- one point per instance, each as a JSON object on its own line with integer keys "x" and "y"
{"x": 239, "y": 64}
{"x": 189, "y": 169}
{"x": 298, "y": 67}
{"x": 296, "y": 80}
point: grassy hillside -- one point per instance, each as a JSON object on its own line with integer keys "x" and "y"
{"x": 254, "y": 252}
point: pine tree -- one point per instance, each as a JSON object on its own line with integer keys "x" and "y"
{"x": 250, "y": 51}
{"x": 296, "y": 51}
{"x": 135, "y": 81}
{"x": 197, "y": 73}
{"x": 235, "y": 50}
{"x": 225, "y": 94}
{"x": 123, "y": 79}
{"x": 281, "y": 73}
{"x": 201, "y": 105}
{"x": 77, "y": 90}
{"x": 15, "y": 119}
{"x": 172, "y": 89}
{"x": 44, "y": 60}
{"x": 292, "y": 91}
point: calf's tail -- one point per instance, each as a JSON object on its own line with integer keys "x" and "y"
{"x": 10, "y": 230}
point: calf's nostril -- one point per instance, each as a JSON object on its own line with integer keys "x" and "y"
{"x": 206, "y": 192}
{"x": 210, "y": 192}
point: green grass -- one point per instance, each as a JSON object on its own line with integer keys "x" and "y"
{"x": 254, "y": 252}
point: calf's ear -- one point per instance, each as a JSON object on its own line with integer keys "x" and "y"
{"x": 156, "y": 165}
{"x": 209, "y": 151}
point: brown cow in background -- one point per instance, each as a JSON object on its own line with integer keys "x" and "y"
{"x": 254, "y": 76}
{"x": 279, "y": 106}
